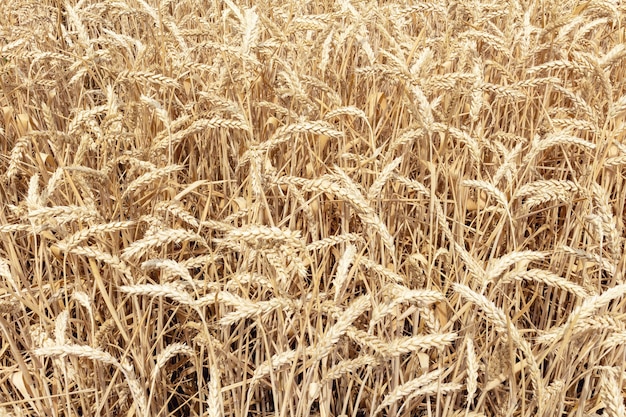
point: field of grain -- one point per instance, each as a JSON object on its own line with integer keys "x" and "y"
{"x": 312, "y": 208}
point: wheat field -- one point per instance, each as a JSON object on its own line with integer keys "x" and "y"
{"x": 312, "y": 208}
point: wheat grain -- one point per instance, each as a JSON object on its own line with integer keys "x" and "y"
{"x": 349, "y": 366}
{"x": 77, "y": 238}
{"x": 615, "y": 161}
{"x": 264, "y": 237}
{"x": 476, "y": 99}
{"x": 177, "y": 210}
{"x": 542, "y": 191}
{"x": 424, "y": 109}
{"x": 84, "y": 300}
{"x": 548, "y": 278}
{"x": 603, "y": 322}
{"x": 196, "y": 127}
{"x": 607, "y": 224}
{"x": 215, "y": 402}
{"x": 433, "y": 388}
{"x": 62, "y": 214}
{"x": 400, "y": 295}
{"x": 408, "y": 388}
{"x": 201, "y": 261}
{"x": 568, "y": 124}
{"x": 492, "y": 40}
{"x": 316, "y": 83}
{"x": 137, "y": 391}
{"x": 245, "y": 310}
{"x": 163, "y": 290}
{"x": 497, "y": 267}
{"x": 148, "y": 76}
{"x": 348, "y": 110}
{"x": 284, "y": 134}
{"x": 402, "y": 346}
{"x": 375, "y": 189}
{"x": 350, "y": 193}
{"x": 160, "y": 112}
{"x": 490, "y": 189}
{"x": 367, "y": 214}
{"x": 578, "y": 102}
{"x": 342, "y": 271}
{"x": 275, "y": 362}
{"x": 611, "y": 393}
{"x": 168, "y": 353}
{"x": 472, "y": 371}
{"x": 464, "y": 137}
{"x": 99, "y": 255}
{"x": 498, "y": 318}
{"x": 77, "y": 350}
{"x": 60, "y": 327}
{"x": 331, "y": 337}
{"x": 540, "y": 145}
{"x": 381, "y": 270}
{"x": 581, "y": 68}
{"x": 83, "y": 117}
{"x": 149, "y": 178}
{"x": 170, "y": 267}
{"x": 509, "y": 165}
{"x": 617, "y": 338}
{"x": 160, "y": 238}
{"x": 430, "y": 320}
{"x": 592, "y": 257}
{"x": 407, "y": 137}
{"x": 33, "y": 199}
{"x": 17, "y": 153}
{"x": 238, "y": 280}
{"x": 578, "y": 318}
